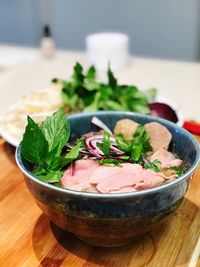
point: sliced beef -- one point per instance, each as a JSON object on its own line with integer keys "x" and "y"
{"x": 103, "y": 172}
{"x": 83, "y": 170}
{"x": 148, "y": 180}
{"x": 166, "y": 158}
{"x": 160, "y": 137}
{"x": 91, "y": 176}
{"x": 130, "y": 177}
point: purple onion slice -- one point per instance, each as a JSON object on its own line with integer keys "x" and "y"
{"x": 164, "y": 111}
{"x": 91, "y": 145}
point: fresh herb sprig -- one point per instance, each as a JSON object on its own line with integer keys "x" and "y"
{"x": 136, "y": 147}
{"x": 84, "y": 93}
{"x": 153, "y": 165}
{"x": 179, "y": 170}
{"x": 42, "y": 146}
{"x": 134, "y": 150}
{"x": 105, "y": 146}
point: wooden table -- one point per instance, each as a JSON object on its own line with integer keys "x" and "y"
{"x": 28, "y": 239}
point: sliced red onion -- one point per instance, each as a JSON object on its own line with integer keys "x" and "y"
{"x": 91, "y": 144}
{"x": 116, "y": 151}
{"x": 73, "y": 168}
{"x": 163, "y": 110}
{"x": 100, "y": 124}
{"x": 84, "y": 152}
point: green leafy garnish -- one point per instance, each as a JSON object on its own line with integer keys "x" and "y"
{"x": 42, "y": 145}
{"x": 83, "y": 92}
{"x": 154, "y": 165}
{"x": 110, "y": 162}
{"x": 105, "y": 146}
{"x": 141, "y": 144}
{"x": 74, "y": 152}
{"x": 138, "y": 146}
{"x": 56, "y": 131}
{"x": 34, "y": 146}
{"x": 123, "y": 144}
{"x": 179, "y": 170}
{"x": 112, "y": 81}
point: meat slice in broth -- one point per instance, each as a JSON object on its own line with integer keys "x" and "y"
{"x": 159, "y": 135}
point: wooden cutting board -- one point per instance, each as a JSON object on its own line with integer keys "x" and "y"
{"x": 28, "y": 239}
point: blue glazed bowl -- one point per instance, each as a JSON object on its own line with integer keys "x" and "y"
{"x": 114, "y": 219}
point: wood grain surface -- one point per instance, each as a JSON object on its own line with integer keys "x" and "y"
{"x": 27, "y": 238}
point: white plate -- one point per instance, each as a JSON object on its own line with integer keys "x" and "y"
{"x": 12, "y": 140}
{"x": 9, "y": 138}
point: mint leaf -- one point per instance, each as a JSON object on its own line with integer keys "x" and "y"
{"x": 56, "y": 131}
{"x": 34, "y": 146}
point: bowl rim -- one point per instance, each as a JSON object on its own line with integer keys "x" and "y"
{"x": 156, "y": 189}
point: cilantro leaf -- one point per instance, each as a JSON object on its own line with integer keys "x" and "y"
{"x": 154, "y": 165}
{"x": 138, "y": 146}
{"x": 110, "y": 162}
{"x": 105, "y": 146}
{"x": 123, "y": 144}
{"x": 179, "y": 170}
{"x": 140, "y": 143}
{"x": 137, "y": 151}
{"x": 34, "y": 146}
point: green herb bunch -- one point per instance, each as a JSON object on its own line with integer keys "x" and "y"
{"x": 84, "y": 93}
{"x": 42, "y": 145}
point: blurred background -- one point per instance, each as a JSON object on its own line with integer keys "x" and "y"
{"x": 160, "y": 29}
{"x": 151, "y": 44}
{"x": 159, "y": 46}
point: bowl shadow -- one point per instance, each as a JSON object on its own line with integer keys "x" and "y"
{"x": 55, "y": 247}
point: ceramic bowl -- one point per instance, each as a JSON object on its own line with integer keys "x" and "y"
{"x": 114, "y": 219}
